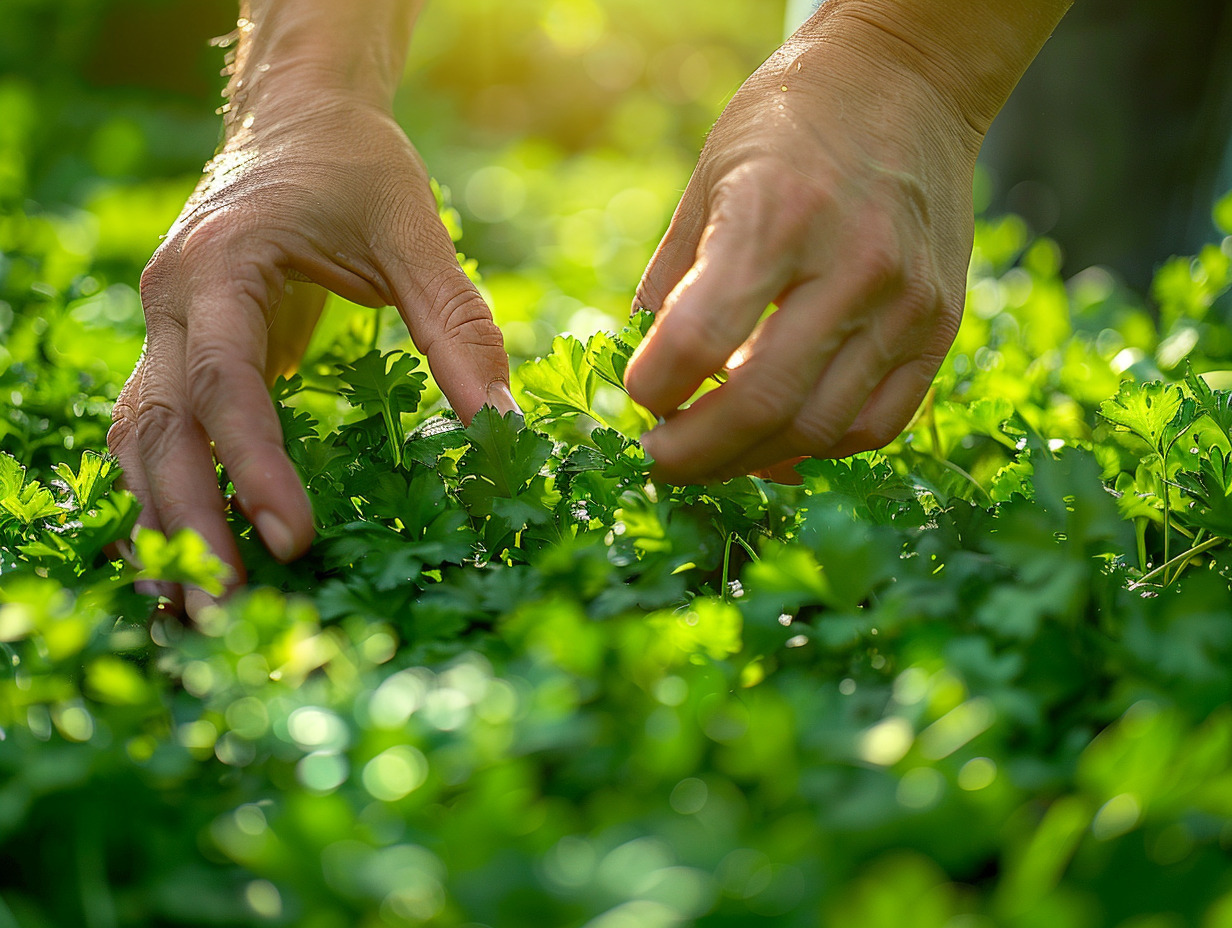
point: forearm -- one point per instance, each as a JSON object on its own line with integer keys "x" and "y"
{"x": 290, "y": 50}
{"x": 971, "y": 51}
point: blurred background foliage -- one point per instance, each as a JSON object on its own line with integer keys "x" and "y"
{"x": 566, "y": 129}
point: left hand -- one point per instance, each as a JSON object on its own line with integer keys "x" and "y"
{"x": 836, "y": 185}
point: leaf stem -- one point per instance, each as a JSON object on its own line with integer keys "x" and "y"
{"x": 966, "y": 476}
{"x": 727, "y": 565}
{"x": 744, "y": 544}
{"x": 1140, "y": 525}
{"x": 393, "y": 424}
{"x": 1184, "y": 556}
{"x": 1163, "y": 476}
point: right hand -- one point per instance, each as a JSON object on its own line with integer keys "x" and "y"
{"x": 333, "y": 193}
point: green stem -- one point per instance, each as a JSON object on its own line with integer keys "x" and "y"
{"x": 1181, "y": 558}
{"x": 966, "y": 476}
{"x": 393, "y": 425}
{"x": 727, "y": 564}
{"x": 744, "y": 544}
{"x": 1140, "y": 525}
{"x": 1185, "y": 563}
{"x": 1163, "y": 476}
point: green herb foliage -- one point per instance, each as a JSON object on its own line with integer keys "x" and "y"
{"x": 983, "y": 677}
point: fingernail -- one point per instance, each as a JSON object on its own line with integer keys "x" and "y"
{"x": 276, "y": 535}
{"x": 124, "y": 548}
{"x": 196, "y": 601}
{"x": 501, "y": 397}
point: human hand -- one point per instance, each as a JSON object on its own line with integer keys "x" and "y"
{"x": 331, "y": 192}
{"x": 836, "y": 185}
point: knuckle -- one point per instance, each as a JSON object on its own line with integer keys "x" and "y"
{"x": 121, "y": 434}
{"x": 207, "y": 234}
{"x": 122, "y": 410}
{"x": 921, "y": 321}
{"x": 814, "y": 430}
{"x": 156, "y": 279}
{"x": 764, "y": 405}
{"x": 466, "y": 319}
{"x": 802, "y": 203}
{"x": 780, "y": 191}
{"x": 702, "y": 343}
{"x": 158, "y": 426}
{"x": 206, "y": 374}
{"x": 880, "y": 266}
{"x": 916, "y": 318}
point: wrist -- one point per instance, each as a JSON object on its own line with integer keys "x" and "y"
{"x": 971, "y": 53}
{"x": 289, "y": 53}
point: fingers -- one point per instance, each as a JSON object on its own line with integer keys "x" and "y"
{"x": 887, "y": 413}
{"x": 202, "y": 380}
{"x": 292, "y": 327}
{"x": 713, "y": 308}
{"x": 225, "y": 377}
{"x": 827, "y": 415}
{"x": 676, "y": 252}
{"x": 449, "y": 321}
{"x": 890, "y": 408}
{"x": 175, "y": 452}
{"x": 871, "y": 333}
{"x": 122, "y": 441}
{"x": 778, "y": 369}
{"x": 767, "y": 412}
{"x": 783, "y": 472}
{"x": 847, "y": 412}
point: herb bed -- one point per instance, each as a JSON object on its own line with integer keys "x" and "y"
{"x": 981, "y": 678}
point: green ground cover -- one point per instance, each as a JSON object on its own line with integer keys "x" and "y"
{"x": 982, "y": 678}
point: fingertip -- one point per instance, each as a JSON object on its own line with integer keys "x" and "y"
{"x": 640, "y": 382}
{"x": 284, "y": 543}
{"x": 271, "y": 496}
{"x": 500, "y": 397}
{"x": 196, "y": 601}
{"x": 650, "y": 440}
{"x": 669, "y": 467}
{"x": 784, "y": 472}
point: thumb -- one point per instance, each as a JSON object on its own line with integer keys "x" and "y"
{"x": 290, "y": 331}
{"x": 676, "y": 253}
